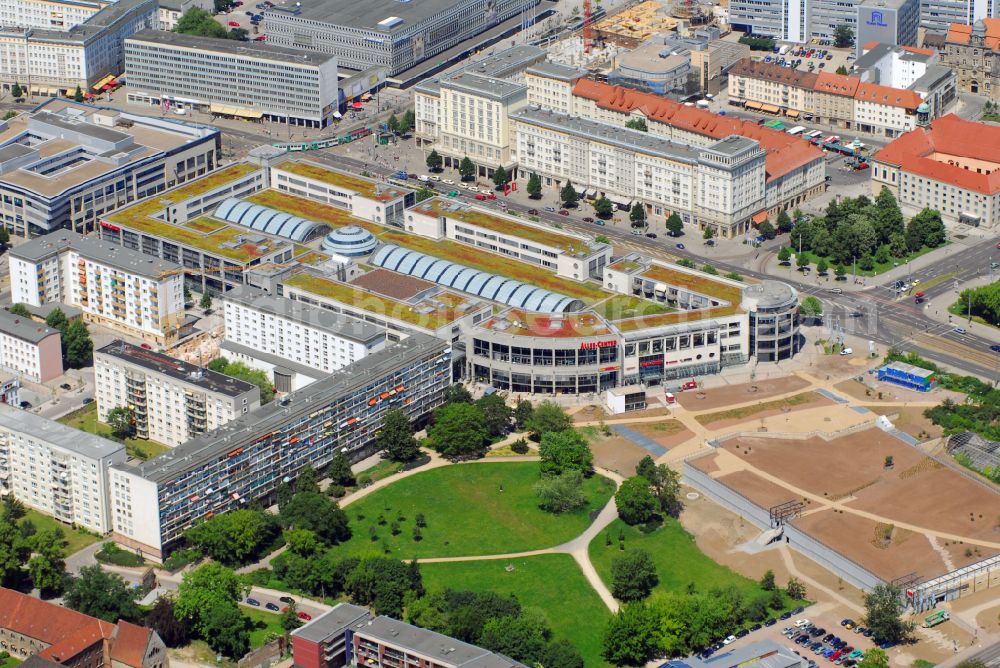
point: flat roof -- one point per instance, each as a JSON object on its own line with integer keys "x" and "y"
{"x": 373, "y": 15}
{"x": 506, "y": 225}
{"x": 332, "y": 622}
{"x": 50, "y": 431}
{"x": 563, "y": 325}
{"x": 493, "y": 88}
{"x": 259, "y": 50}
{"x": 632, "y": 140}
{"x": 365, "y": 187}
{"x": 441, "y": 649}
{"x": 281, "y": 364}
{"x": 335, "y": 323}
{"x": 93, "y": 248}
{"x": 274, "y": 415}
{"x": 558, "y": 71}
{"x": 50, "y": 123}
{"x": 23, "y": 328}
{"x": 192, "y": 374}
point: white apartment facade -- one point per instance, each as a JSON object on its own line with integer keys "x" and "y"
{"x": 268, "y": 330}
{"x": 48, "y": 14}
{"x": 720, "y": 186}
{"x": 57, "y": 470}
{"x": 172, "y": 400}
{"x": 115, "y": 286}
{"x": 28, "y": 349}
{"x": 550, "y": 85}
{"x": 55, "y": 60}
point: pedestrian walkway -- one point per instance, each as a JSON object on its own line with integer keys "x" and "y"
{"x": 830, "y": 395}
{"x": 647, "y": 444}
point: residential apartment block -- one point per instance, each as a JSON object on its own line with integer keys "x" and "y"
{"x": 950, "y": 166}
{"x": 272, "y": 333}
{"x": 65, "y": 164}
{"x": 232, "y": 78}
{"x": 550, "y": 85}
{"x": 837, "y": 99}
{"x": 73, "y": 46}
{"x": 246, "y": 460}
{"x": 58, "y": 470}
{"x": 117, "y": 287}
{"x": 172, "y": 401}
{"x": 47, "y": 635}
{"x": 349, "y": 635}
{"x": 28, "y": 349}
{"x": 973, "y": 51}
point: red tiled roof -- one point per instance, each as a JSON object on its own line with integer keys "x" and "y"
{"x": 784, "y": 152}
{"x": 959, "y": 33}
{"x": 869, "y": 45}
{"x": 954, "y": 136}
{"x": 129, "y": 644}
{"x": 773, "y": 72}
{"x": 917, "y": 49}
{"x": 67, "y": 631}
{"x": 837, "y": 84}
{"x": 895, "y": 97}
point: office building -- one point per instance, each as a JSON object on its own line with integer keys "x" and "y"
{"x": 172, "y": 10}
{"x": 66, "y": 164}
{"x": 973, "y": 51}
{"x": 826, "y": 15}
{"x": 47, "y": 635}
{"x": 785, "y": 20}
{"x": 720, "y": 186}
{"x": 950, "y": 166}
{"x": 760, "y": 654}
{"x": 114, "y": 286}
{"x": 58, "y": 470}
{"x": 937, "y": 16}
{"x": 246, "y": 460}
{"x": 53, "y": 59}
{"x": 263, "y": 327}
{"x": 171, "y": 401}
{"x": 28, "y": 349}
{"x": 909, "y": 67}
{"x": 231, "y": 78}
{"x": 464, "y": 113}
{"x": 892, "y": 22}
{"x": 384, "y": 33}
{"x": 349, "y": 635}
{"x": 845, "y": 101}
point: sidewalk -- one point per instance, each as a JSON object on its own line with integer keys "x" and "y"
{"x": 937, "y": 309}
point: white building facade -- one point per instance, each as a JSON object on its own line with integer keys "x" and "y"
{"x": 115, "y": 286}
{"x": 28, "y": 349}
{"x": 56, "y": 469}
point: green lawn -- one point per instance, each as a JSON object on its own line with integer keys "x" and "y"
{"x": 470, "y": 509}
{"x": 76, "y": 539}
{"x": 9, "y": 662}
{"x": 85, "y": 419}
{"x": 551, "y": 584}
{"x": 677, "y": 557}
{"x": 264, "y": 624}
{"x": 880, "y": 267}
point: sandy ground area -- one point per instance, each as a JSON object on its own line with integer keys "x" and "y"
{"x": 728, "y": 395}
{"x": 909, "y": 420}
{"x": 617, "y": 454}
{"x": 722, "y": 420}
{"x": 892, "y": 394}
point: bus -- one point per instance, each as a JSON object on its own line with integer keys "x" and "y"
{"x": 797, "y": 130}
{"x": 939, "y": 617}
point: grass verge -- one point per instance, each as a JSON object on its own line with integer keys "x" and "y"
{"x": 550, "y": 583}
{"x": 76, "y": 539}
{"x": 469, "y": 509}
{"x": 749, "y": 411}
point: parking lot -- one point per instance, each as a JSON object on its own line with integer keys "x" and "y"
{"x": 245, "y": 15}
{"x": 825, "y": 641}
{"x": 813, "y": 58}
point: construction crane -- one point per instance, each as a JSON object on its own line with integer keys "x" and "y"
{"x": 588, "y": 31}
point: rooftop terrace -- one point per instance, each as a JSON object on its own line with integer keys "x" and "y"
{"x": 730, "y": 295}
{"x": 509, "y": 225}
{"x": 516, "y": 321}
{"x": 364, "y": 187}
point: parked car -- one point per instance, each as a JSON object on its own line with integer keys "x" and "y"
{"x": 287, "y": 599}
{"x": 88, "y": 400}
{"x": 532, "y": 212}
{"x": 563, "y": 212}
{"x": 272, "y": 607}
{"x": 234, "y": 24}
{"x": 652, "y": 235}
{"x": 755, "y": 627}
{"x": 305, "y": 615}
{"x": 450, "y": 182}
{"x": 26, "y": 405}
{"x": 680, "y": 246}
{"x": 801, "y": 622}
{"x": 65, "y": 386}
{"x": 742, "y": 633}
{"x": 834, "y": 656}
{"x": 588, "y": 219}
{"x": 254, "y": 602}
{"x": 550, "y": 208}
{"x": 729, "y": 640}
{"x": 481, "y": 197}
{"x": 786, "y": 615}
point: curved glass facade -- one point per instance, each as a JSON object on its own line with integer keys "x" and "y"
{"x": 480, "y": 283}
{"x": 350, "y": 241}
{"x": 271, "y": 221}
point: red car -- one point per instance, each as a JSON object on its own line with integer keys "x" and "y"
{"x": 305, "y": 615}
{"x": 480, "y": 197}
{"x": 563, "y": 212}
{"x": 588, "y": 219}
{"x": 234, "y": 24}
{"x": 491, "y": 196}
{"x": 146, "y": 346}
{"x": 690, "y": 385}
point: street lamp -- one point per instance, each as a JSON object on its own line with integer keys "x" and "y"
{"x": 996, "y": 364}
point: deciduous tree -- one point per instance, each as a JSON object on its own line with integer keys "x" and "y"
{"x": 46, "y": 565}
{"x": 884, "y": 613}
{"x": 396, "y": 439}
{"x": 234, "y": 537}
{"x": 104, "y": 595}
{"x": 434, "y": 161}
{"x": 534, "y": 186}
{"x": 566, "y": 450}
{"x": 604, "y": 209}
{"x": 548, "y": 416}
{"x": 568, "y": 194}
{"x": 458, "y": 431}
{"x": 633, "y": 575}
{"x": 674, "y": 224}
{"x": 630, "y": 636}
{"x": 635, "y": 501}
{"x": 500, "y": 177}
{"x": 172, "y": 631}
{"x": 561, "y": 493}
{"x": 322, "y": 516}
{"x": 466, "y": 169}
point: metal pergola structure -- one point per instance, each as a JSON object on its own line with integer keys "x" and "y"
{"x": 783, "y": 512}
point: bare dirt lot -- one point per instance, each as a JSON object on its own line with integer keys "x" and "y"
{"x": 909, "y": 420}
{"x": 892, "y": 394}
{"x": 729, "y": 395}
{"x": 669, "y": 433}
{"x": 596, "y": 414}
{"x": 617, "y": 454}
{"x": 734, "y": 416}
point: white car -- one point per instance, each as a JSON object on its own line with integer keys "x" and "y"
{"x": 449, "y": 182}
{"x": 799, "y": 623}
{"x": 435, "y": 177}
{"x": 729, "y": 640}
{"x": 485, "y": 191}
{"x": 846, "y": 351}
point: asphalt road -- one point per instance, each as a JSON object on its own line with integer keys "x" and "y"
{"x": 884, "y": 319}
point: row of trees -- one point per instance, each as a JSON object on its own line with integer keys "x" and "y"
{"x": 866, "y": 231}
{"x": 77, "y": 347}
{"x": 982, "y": 302}
{"x": 244, "y": 372}
{"x": 401, "y": 125}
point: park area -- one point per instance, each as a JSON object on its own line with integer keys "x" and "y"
{"x": 868, "y": 495}
{"x": 468, "y": 509}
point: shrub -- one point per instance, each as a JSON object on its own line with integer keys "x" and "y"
{"x": 112, "y": 554}
{"x": 520, "y": 446}
{"x": 336, "y": 491}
